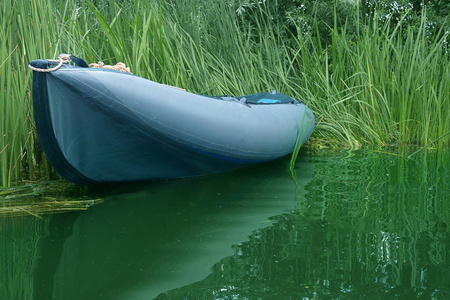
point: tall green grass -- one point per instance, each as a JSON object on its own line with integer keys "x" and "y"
{"x": 384, "y": 87}
{"x": 380, "y": 86}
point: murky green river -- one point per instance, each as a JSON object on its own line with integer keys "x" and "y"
{"x": 347, "y": 225}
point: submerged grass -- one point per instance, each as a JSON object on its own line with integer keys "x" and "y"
{"x": 40, "y": 198}
{"x": 376, "y": 87}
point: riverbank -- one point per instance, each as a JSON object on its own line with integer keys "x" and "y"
{"x": 379, "y": 86}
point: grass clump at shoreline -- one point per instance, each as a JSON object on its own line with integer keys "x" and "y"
{"x": 381, "y": 85}
{"x": 40, "y": 198}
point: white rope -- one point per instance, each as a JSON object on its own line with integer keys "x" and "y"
{"x": 62, "y": 59}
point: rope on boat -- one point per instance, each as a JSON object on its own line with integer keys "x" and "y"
{"x": 62, "y": 59}
{"x": 120, "y": 66}
{"x": 65, "y": 59}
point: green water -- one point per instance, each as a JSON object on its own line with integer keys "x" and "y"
{"x": 347, "y": 225}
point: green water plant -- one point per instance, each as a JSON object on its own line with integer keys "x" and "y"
{"x": 39, "y": 198}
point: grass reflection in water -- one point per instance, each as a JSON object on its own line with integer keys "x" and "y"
{"x": 372, "y": 224}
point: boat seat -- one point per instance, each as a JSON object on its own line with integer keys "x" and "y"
{"x": 261, "y": 98}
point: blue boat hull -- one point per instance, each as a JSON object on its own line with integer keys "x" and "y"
{"x": 97, "y": 125}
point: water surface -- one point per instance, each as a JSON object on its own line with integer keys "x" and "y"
{"x": 346, "y": 224}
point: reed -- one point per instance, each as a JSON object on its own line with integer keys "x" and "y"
{"x": 378, "y": 86}
{"x": 37, "y": 29}
{"x": 385, "y": 87}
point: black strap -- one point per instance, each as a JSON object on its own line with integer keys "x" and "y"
{"x": 79, "y": 61}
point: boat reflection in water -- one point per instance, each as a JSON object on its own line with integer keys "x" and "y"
{"x": 146, "y": 239}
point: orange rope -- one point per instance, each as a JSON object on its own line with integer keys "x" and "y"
{"x": 118, "y": 67}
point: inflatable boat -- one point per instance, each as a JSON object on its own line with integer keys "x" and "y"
{"x": 99, "y": 125}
